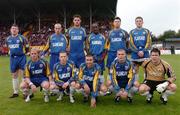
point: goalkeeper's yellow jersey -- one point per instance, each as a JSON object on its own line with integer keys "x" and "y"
{"x": 157, "y": 72}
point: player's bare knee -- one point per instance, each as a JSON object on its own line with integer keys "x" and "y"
{"x": 77, "y": 86}
{"x": 172, "y": 87}
{"x": 108, "y": 83}
{"x": 23, "y": 85}
{"x": 53, "y": 87}
{"x": 142, "y": 88}
{"x": 103, "y": 88}
{"x": 15, "y": 75}
{"x": 86, "y": 89}
{"x": 73, "y": 84}
{"x": 45, "y": 85}
{"x": 136, "y": 84}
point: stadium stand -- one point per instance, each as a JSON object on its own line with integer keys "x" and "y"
{"x": 37, "y": 24}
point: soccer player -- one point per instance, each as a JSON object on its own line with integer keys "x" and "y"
{"x": 118, "y": 39}
{"x": 64, "y": 76}
{"x": 88, "y": 77}
{"x": 37, "y": 73}
{"x": 139, "y": 43}
{"x": 77, "y": 39}
{"x": 97, "y": 49}
{"x": 155, "y": 70}
{"x": 18, "y": 47}
{"x": 57, "y": 42}
{"x": 122, "y": 75}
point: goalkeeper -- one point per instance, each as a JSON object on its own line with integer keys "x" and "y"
{"x": 155, "y": 70}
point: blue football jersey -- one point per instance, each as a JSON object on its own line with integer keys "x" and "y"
{"x": 77, "y": 37}
{"x": 117, "y": 40}
{"x": 37, "y": 69}
{"x": 88, "y": 74}
{"x": 140, "y": 39}
{"x": 64, "y": 73}
{"x": 56, "y": 43}
{"x": 17, "y": 45}
{"x": 122, "y": 72}
{"x": 96, "y": 43}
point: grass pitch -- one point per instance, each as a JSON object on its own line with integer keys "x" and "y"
{"x": 105, "y": 105}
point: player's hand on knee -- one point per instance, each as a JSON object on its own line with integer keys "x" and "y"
{"x": 162, "y": 87}
{"x": 141, "y": 54}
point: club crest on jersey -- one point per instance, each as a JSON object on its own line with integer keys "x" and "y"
{"x": 81, "y": 32}
{"x": 126, "y": 67}
{"x": 18, "y": 41}
{"x": 120, "y": 34}
{"x": 40, "y": 65}
{"x": 68, "y": 68}
{"x": 113, "y": 34}
{"x": 144, "y": 32}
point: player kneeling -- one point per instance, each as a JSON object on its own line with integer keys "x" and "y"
{"x": 37, "y": 73}
{"x": 155, "y": 70}
{"x": 121, "y": 71}
{"x": 89, "y": 79}
{"x": 64, "y": 77}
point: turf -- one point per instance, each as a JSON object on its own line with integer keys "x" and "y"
{"x": 105, "y": 105}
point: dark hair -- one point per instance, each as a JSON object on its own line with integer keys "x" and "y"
{"x": 15, "y": 25}
{"x": 117, "y": 18}
{"x": 139, "y": 17}
{"x": 89, "y": 54}
{"x": 63, "y": 52}
{"x": 119, "y": 50}
{"x": 156, "y": 50}
{"x": 77, "y": 16}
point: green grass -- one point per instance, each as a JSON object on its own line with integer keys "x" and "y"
{"x": 105, "y": 105}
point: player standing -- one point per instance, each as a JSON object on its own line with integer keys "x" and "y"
{"x": 77, "y": 38}
{"x": 57, "y": 42}
{"x": 18, "y": 47}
